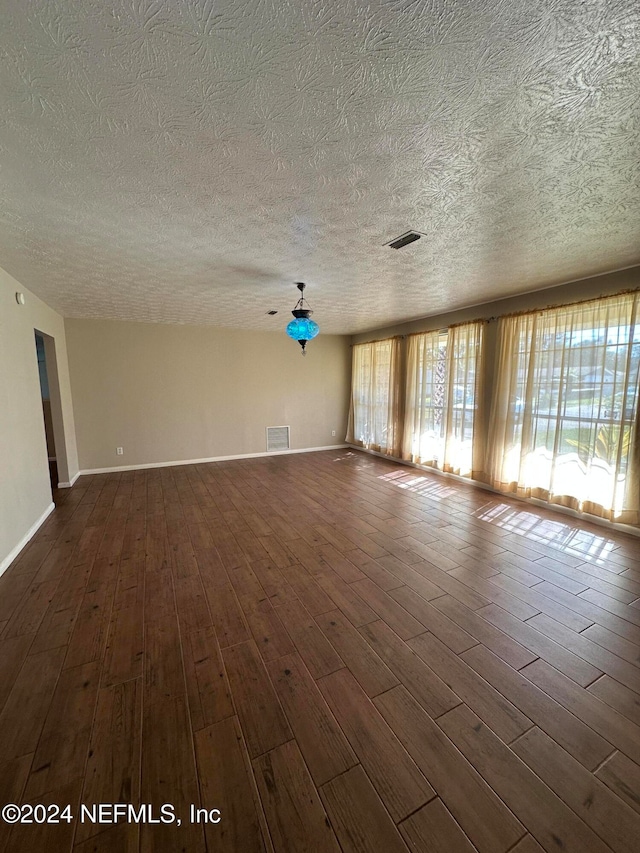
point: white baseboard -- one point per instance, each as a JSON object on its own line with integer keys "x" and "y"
{"x": 71, "y": 481}
{"x": 6, "y": 562}
{"x": 208, "y": 459}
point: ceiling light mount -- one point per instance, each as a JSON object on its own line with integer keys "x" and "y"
{"x": 303, "y": 328}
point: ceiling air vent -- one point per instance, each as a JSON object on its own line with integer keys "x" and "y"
{"x": 404, "y": 240}
{"x": 277, "y": 438}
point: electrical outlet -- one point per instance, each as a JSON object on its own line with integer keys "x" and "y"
{"x": 119, "y": 451}
{"x": 333, "y": 433}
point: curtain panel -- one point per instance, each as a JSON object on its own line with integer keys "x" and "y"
{"x": 376, "y": 399}
{"x": 443, "y": 413}
{"x": 563, "y": 425}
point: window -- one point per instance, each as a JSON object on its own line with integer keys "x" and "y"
{"x": 374, "y": 416}
{"x": 442, "y": 398}
{"x": 567, "y": 398}
{"x": 563, "y": 412}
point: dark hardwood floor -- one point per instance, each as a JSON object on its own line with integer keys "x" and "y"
{"x": 335, "y": 651}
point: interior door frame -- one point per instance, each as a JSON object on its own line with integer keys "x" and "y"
{"x": 55, "y": 398}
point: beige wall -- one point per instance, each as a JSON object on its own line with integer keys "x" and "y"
{"x": 25, "y": 493}
{"x": 171, "y": 393}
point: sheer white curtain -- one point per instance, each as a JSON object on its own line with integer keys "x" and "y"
{"x": 563, "y": 416}
{"x": 442, "y": 396}
{"x": 374, "y": 413}
{"x": 423, "y": 439}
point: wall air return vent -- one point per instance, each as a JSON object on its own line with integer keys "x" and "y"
{"x": 404, "y": 240}
{"x": 277, "y": 438}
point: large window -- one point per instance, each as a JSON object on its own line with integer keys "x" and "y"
{"x": 565, "y": 403}
{"x": 443, "y": 380}
{"x": 375, "y": 397}
{"x": 562, "y": 423}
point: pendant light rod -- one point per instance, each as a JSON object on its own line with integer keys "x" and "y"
{"x": 300, "y": 303}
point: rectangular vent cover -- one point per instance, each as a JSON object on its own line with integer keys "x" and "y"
{"x": 278, "y": 438}
{"x": 404, "y": 240}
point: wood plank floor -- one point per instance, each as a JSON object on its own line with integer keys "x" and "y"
{"x": 335, "y": 651}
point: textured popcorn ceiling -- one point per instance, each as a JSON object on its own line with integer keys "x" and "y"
{"x": 188, "y": 160}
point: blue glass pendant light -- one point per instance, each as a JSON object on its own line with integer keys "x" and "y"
{"x": 302, "y": 329}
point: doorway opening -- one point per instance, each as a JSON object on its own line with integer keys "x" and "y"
{"x": 45, "y": 394}
{"x": 51, "y": 410}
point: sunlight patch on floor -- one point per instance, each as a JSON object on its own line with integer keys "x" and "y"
{"x": 556, "y": 534}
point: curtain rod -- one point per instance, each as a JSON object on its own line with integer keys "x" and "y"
{"x": 380, "y": 340}
{"x": 441, "y": 330}
{"x": 522, "y": 313}
{"x": 555, "y": 306}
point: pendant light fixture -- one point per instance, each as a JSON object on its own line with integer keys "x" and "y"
{"x": 302, "y": 329}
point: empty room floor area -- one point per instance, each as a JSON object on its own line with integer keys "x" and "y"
{"x": 318, "y": 652}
